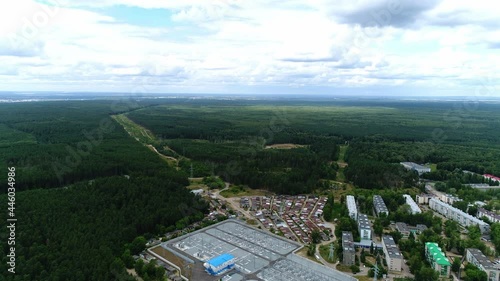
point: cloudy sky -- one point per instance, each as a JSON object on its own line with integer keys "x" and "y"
{"x": 426, "y": 47}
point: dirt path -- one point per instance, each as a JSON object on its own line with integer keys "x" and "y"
{"x": 133, "y": 273}
{"x": 143, "y": 136}
{"x": 161, "y": 155}
{"x": 235, "y": 205}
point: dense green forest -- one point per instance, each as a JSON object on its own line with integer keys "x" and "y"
{"x": 228, "y": 138}
{"x": 86, "y": 188}
{"x": 75, "y": 233}
{"x": 56, "y": 143}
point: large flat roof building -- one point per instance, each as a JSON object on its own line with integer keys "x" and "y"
{"x": 348, "y": 250}
{"x": 402, "y": 228}
{"x": 457, "y": 215}
{"x": 437, "y": 259}
{"x": 414, "y": 209}
{"x": 351, "y": 207}
{"x": 379, "y": 205}
{"x": 477, "y": 258}
{"x": 257, "y": 255}
{"x": 393, "y": 256}
{"x": 420, "y": 228}
{"x": 364, "y": 226}
{"x": 219, "y": 264}
{"x": 483, "y": 187}
{"x": 416, "y": 167}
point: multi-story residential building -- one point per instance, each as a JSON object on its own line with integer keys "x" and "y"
{"x": 457, "y": 215}
{"x": 491, "y": 216}
{"x": 437, "y": 259}
{"x": 413, "y": 206}
{"x": 477, "y": 258}
{"x": 379, "y": 205}
{"x": 351, "y": 207}
{"x": 393, "y": 256}
{"x": 364, "y": 226}
{"x": 348, "y": 251}
{"x": 423, "y": 198}
{"x": 449, "y": 199}
{"x": 491, "y": 177}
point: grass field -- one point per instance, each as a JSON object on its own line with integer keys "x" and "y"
{"x": 141, "y": 134}
{"x": 433, "y": 167}
{"x": 324, "y": 251}
{"x": 343, "y": 150}
{"x": 170, "y": 257}
{"x": 303, "y": 253}
{"x": 240, "y": 191}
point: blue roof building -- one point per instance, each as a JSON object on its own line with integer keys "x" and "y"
{"x": 219, "y": 264}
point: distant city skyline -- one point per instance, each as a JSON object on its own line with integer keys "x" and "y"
{"x": 361, "y": 47}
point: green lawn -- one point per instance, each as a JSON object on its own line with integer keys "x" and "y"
{"x": 324, "y": 251}
{"x": 433, "y": 167}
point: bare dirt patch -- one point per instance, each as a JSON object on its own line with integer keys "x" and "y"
{"x": 284, "y": 146}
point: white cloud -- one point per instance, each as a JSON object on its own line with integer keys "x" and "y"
{"x": 225, "y": 45}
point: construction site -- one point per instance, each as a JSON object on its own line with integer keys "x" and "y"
{"x": 258, "y": 255}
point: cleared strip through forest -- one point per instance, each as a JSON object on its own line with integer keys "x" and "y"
{"x": 142, "y": 135}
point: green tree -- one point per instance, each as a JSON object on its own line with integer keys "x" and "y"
{"x": 474, "y": 232}
{"x": 311, "y": 250}
{"x": 138, "y": 245}
{"x": 416, "y": 263}
{"x": 139, "y": 265}
{"x": 427, "y": 274}
{"x": 316, "y": 236}
{"x": 455, "y": 267}
{"x": 127, "y": 259}
{"x": 150, "y": 268}
{"x": 355, "y": 269}
{"x": 362, "y": 256}
{"x": 461, "y": 205}
{"x": 474, "y": 274}
{"x": 160, "y": 273}
{"x": 117, "y": 267}
{"x": 378, "y": 228}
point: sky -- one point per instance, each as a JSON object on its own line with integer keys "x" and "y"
{"x": 365, "y": 47}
